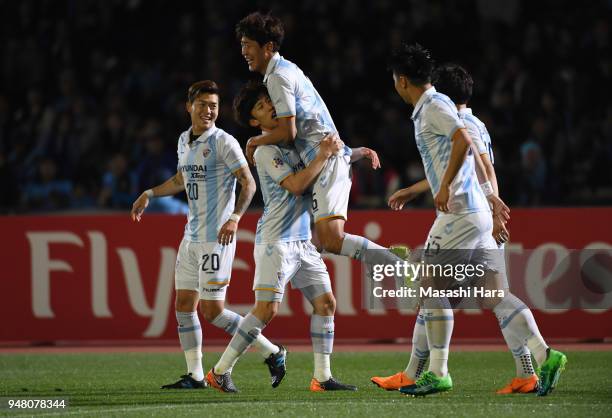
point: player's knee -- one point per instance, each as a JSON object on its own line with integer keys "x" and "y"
{"x": 186, "y": 301}
{"x": 265, "y": 311}
{"x": 325, "y": 305}
{"x": 331, "y": 241}
{"x": 210, "y": 311}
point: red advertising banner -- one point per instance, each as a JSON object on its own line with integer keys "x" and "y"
{"x": 106, "y": 278}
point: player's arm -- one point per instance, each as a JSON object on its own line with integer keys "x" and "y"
{"x": 247, "y": 191}
{"x": 284, "y": 133}
{"x": 489, "y": 171}
{"x": 498, "y": 206}
{"x": 281, "y": 91}
{"x": 170, "y": 187}
{"x": 500, "y": 232}
{"x": 363, "y": 152}
{"x": 403, "y": 196}
{"x": 299, "y": 182}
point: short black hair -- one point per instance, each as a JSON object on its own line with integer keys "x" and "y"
{"x": 201, "y": 87}
{"x": 454, "y": 81}
{"x": 262, "y": 28}
{"x": 245, "y": 100}
{"x": 414, "y": 62}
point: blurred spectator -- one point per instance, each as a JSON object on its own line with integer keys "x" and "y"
{"x": 534, "y": 172}
{"x": 47, "y": 192}
{"x": 118, "y": 184}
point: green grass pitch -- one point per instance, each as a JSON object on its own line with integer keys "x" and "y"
{"x": 128, "y": 384}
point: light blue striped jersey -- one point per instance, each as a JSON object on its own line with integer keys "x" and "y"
{"x": 478, "y": 132}
{"x": 286, "y": 217}
{"x": 435, "y": 122}
{"x": 207, "y": 166}
{"x": 293, "y": 94}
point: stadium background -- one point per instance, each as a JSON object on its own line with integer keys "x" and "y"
{"x": 92, "y": 101}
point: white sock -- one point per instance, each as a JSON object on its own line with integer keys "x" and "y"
{"x": 265, "y": 346}
{"x": 227, "y": 361}
{"x": 420, "y": 349}
{"x": 439, "y": 327}
{"x": 538, "y": 347}
{"x": 438, "y": 361}
{"x": 249, "y": 329}
{"x": 362, "y": 249}
{"x": 190, "y": 336}
{"x": 193, "y": 358}
{"x": 229, "y": 321}
{"x": 516, "y": 317}
{"x": 322, "y": 370}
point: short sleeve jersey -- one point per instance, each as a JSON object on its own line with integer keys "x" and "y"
{"x": 207, "y": 165}
{"x": 435, "y": 122}
{"x": 293, "y": 94}
{"x": 478, "y": 132}
{"x": 286, "y": 217}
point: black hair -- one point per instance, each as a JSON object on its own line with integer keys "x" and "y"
{"x": 201, "y": 87}
{"x": 262, "y": 28}
{"x": 454, "y": 81}
{"x": 245, "y": 100}
{"x": 414, "y": 62}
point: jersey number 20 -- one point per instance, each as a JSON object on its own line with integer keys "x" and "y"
{"x": 192, "y": 191}
{"x": 210, "y": 262}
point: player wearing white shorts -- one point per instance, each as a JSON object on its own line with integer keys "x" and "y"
{"x": 464, "y": 217}
{"x": 283, "y": 251}
{"x": 519, "y": 329}
{"x": 516, "y": 320}
{"x": 209, "y": 163}
{"x": 304, "y": 120}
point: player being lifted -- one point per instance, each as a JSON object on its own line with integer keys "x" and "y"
{"x": 209, "y": 163}
{"x": 304, "y": 120}
{"x": 283, "y": 251}
{"x": 517, "y": 323}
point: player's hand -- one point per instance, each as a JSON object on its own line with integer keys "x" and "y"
{"x": 499, "y": 207}
{"x": 371, "y": 155}
{"x": 441, "y": 198}
{"x": 401, "y": 197}
{"x": 251, "y": 146}
{"x": 139, "y": 206}
{"x": 330, "y": 145}
{"x": 227, "y": 232}
{"x": 500, "y": 232}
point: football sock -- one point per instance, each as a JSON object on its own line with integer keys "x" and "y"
{"x": 515, "y": 318}
{"x": 322, "y": 371}
{"x": 249, "y": 329}
{"x": 360, "y": 248}
{"x": 520, "y": 353}
{"x": 420, "y": 349}
{"x": 229, "y": 321}
{"x": 439, "y": 327}
{"x": 190, "y": 336}
{"x": 322, "y": 336}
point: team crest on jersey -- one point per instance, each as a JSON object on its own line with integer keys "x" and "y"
{"x": 206, "y": 152}
{"x": 277, "y": 162}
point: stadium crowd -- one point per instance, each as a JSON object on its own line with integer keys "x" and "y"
{"x": 92, "y": 93}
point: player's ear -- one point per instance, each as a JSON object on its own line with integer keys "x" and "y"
{"x": 254, "y": 123}
{"x": 188, "y": 106}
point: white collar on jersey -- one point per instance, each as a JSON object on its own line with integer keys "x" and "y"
{"x": 275, "y": 58}
{"x": 466, "y": 110}
{"x": 205, "y": 135}
{"x": 424, "y": 97}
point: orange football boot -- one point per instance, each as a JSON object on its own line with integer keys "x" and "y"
{"x": 393, "y": 382}
{"x": 520, "y": 385}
